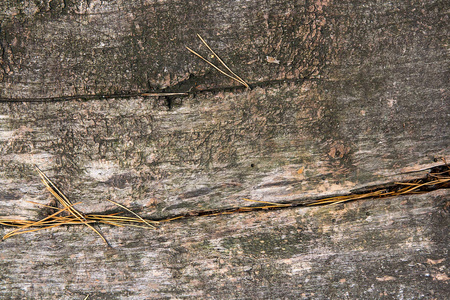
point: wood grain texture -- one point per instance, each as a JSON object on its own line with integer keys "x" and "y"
{"x": 212, "y": 151}
{"x": 132, "y": 46}
{"x": 346, "y": 95}
{"x": 67, "y": 48}
{"x": 390, "y": 248}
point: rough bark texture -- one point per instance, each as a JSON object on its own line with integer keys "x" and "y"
{"x": 346, "y": 94}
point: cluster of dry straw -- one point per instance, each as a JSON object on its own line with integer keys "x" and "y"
{"x": 74, "y": 216}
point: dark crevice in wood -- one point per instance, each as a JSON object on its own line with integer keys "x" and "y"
{"x": 71, "y": 98}
{"x": 189, "y": 91}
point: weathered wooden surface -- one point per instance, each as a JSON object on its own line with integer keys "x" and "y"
{"x": 359, "y": 97}
{"x": 373, "y": 249}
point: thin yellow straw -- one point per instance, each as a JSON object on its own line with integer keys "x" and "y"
{"x": 51, "y": 187}
{"x": 267, "y": 202}
{"x": 14, "y": 232}
{"x": 214, "y": 66}
{"x": 129, "y": 210}
{"x": 221, "y": 61}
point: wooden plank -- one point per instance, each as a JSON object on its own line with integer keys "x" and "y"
{"x": 395, "y": 248}
{"x": 268, "y": 144}
{"x": 125, "y": 47}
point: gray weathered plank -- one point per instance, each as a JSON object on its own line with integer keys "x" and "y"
{"x": 388, "y": 248}
{"x": 212, "y": 151}
{"x": 69, "y": 48}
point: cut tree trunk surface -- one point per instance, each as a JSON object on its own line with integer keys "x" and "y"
{"x": 345, "y": 95}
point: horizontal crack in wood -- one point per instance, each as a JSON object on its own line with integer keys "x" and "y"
{"x": 437, "y": 178}
{"x": 167, "y": 92}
